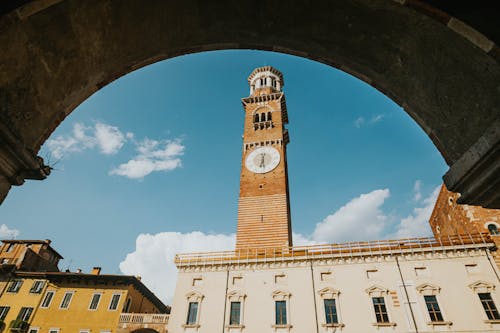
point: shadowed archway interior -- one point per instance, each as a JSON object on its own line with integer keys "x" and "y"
{"x": 445, "y": 74}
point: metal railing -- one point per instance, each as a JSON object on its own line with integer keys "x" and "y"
{"x": 143, "y": 318}
{"x": 350, "y": 249}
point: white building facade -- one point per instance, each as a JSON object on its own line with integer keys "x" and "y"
{"x": 267, "y": 285}
{"x": 398, "y": 286}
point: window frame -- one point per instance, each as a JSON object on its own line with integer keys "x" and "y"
{"x": 4, "y": 311}
{"x": 491, "y": 310}
{"x": 193, "y": 297}
{"x": 380, "y": 309}
{"x": 27, "y": 309}
{"x": 92, "y": 301}
{"x": 127, "y": 305}
{"x": 427, "y": 289}
{"x": 15, "y": 282}
{"x": 234, "y": 314}
{"x": 54, "y": 330}
{"x": 117, "y": 303}
{"x": 52, "y": 292}
{"x": 480, "y": 287}
{"x": 328, "y": 293}
{"x": 235, "y": 296}
{"x": 379, "y": 292}
{"x": 192, "y": 309}
{"x": 34, "y": 330}
{"x": 39, "y": 290}
{"x": 72, "y": 293}
{"x": 281, "y": 295}
{"x": 435, "y": 314}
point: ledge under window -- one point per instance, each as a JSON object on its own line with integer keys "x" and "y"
{"x": 191, "y": 325}
{"x": 333, "y": 325}
{"x": 492, "y": 321}
{"x": 440, "y": 323}
{"x": 388, "y": 324}
{"x": 282, "y": 326}
{"x": 235, "y": 326}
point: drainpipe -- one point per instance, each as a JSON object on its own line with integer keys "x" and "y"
{"x": 314, "y": 297}
{"x": 225, "y": 301}
{"x": 491, "y": 264}
{"x": 407, "y": 295}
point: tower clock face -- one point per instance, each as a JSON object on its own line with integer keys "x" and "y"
{"x": 263, "y": 160}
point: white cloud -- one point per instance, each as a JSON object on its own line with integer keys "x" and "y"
{"x": 417, "y": 188}
{"x": 359, "y": 121}
{"x": 152, "y": 156}
{"x": 377, "y": 118}
{"x": 359, "y": 219}
{"x": 362, "y": 218}
{"x": 153, "y": 257}
{"x": 417, "y": 223}
{"x": 6, "y": 232}
{"x": 302, "y": 240}
{"x": 109, "y": 139}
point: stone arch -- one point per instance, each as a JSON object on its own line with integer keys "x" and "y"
{"x": 444, "y": 73}
{"x": 144, "y": 330}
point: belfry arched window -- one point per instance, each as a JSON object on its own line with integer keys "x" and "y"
{"x": 269, "y": 117}
{"x": 256, "y": 118}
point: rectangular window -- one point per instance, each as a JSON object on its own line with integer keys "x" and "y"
{"x": 234, "y": 318}
{"x": 280, "y": 312}
{"x": 66, "y": 300}
{"x": 37, "y": 287}
{"x": 24, "y": 314}
{"x": 380, "y": 310}
{"x": 192, "y": 313}
{"x": 54, "y": 330}
{"x": 94, "y": 302}
{"x": 331, "y": 311}
{"x": 433, "y": 308}
{"x": 49, "y": 295}
{"x": 113, "y": 305}
{"x": 14, "y": 286}
{"x": 489, "y": 306}
{"x": 126, "y": 307}
{"x": 3, "y": 312}
{"x": 34, "y": 330}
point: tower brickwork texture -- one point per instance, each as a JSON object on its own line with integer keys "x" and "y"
{"x": 264, "y": 205}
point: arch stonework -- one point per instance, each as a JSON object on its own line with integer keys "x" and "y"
{"x": 446, "y": 75}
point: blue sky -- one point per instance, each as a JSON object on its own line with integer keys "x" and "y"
{"x": 156, "y": 155}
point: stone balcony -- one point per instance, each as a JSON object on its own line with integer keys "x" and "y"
{"x": 146, "y": 322}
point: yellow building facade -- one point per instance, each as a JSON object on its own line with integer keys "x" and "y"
{"x": 59, "y": 302}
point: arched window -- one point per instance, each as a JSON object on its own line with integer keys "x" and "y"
{"x": 493, "y": 229}
{"x": 262, "y": 117}
{"x": 256, "y": 118}
{"x": 269, "y": 117}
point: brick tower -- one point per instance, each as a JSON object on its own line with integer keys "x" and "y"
{"x": 264, "y": 206}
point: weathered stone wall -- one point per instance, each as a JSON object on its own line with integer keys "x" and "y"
{"x": 56, "y": 53}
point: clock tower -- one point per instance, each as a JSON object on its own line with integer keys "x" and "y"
{"x": 264, "y": 205}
